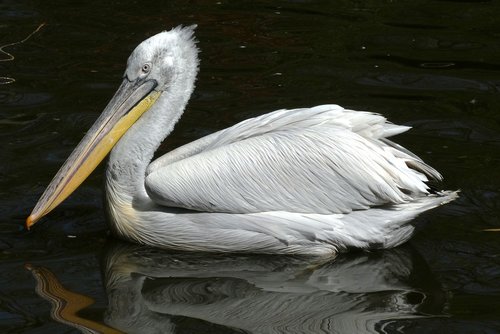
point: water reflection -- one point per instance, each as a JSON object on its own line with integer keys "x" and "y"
{"x": 151, "y": 291}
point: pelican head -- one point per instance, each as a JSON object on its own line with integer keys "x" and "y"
{"x": 162, "y": 57}
{"x": 152, "y": 68}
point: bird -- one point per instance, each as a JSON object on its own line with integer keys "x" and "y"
{"x": 311, "y": 181}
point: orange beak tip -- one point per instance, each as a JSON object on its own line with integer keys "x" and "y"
{"x": 30, "y": 221}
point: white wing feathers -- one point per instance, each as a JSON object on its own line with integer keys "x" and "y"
{"x": 319, "y": 160}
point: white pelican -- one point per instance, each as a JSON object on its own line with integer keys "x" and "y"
{"x": 306, "y": 181}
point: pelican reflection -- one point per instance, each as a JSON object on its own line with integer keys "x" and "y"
{"x": 152, "y": 291}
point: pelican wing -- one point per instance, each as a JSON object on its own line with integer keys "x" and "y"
{"x": 323, "y": 160}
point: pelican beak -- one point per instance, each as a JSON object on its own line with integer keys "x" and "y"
{"x": 132, "y": 99}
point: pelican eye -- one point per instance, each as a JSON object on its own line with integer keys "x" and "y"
{"x": 146, "y": 68}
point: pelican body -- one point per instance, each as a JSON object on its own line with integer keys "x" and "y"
{"x": 305, "y": 181}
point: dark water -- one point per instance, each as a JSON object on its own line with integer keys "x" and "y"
{"x": 433, "y": 65}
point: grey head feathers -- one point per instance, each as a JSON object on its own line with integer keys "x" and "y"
{"x": 164, "y": 56}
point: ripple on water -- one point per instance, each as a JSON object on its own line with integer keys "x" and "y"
{"x": 425, "y": 82}
{"x": 13, "y": 98}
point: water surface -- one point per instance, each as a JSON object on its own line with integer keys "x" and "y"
{"x": 432, "y": 65}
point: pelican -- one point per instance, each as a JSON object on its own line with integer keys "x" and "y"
{"x": 317, "y": 180}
